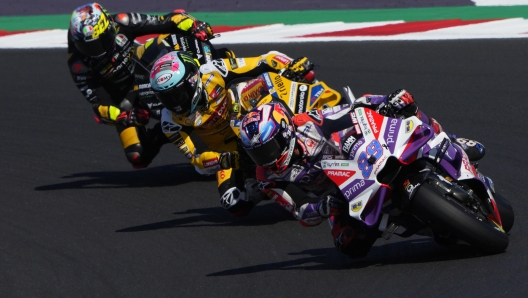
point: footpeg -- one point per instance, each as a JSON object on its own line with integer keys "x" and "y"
{"x": 389, "y": 231}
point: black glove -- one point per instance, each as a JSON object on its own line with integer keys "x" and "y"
{"x": 134, "y": 117}
{"x": 202, "y": 30}
{"x": 400, "y": 99}
{"x": 330, "y": 206}
{"x": 300, "y": 70}
{"x": 229, "y": 160}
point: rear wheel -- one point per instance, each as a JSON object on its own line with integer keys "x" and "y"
{"x": 444, "y": 215}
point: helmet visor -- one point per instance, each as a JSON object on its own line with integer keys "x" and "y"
{"x": 99, "y": 46}
{"x": 179, "y": 98}
{"x": 274, "y": 155}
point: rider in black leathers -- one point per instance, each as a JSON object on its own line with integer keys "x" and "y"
{"x": 111, "y": 70}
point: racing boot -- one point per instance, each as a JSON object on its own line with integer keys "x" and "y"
{"x": 239, "y": 202}
{"x": 474, "y": 150}
{"x": 352, "y": 237}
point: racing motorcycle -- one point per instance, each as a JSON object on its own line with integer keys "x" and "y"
{"x": 269, "y": 86}
{"x": 401, "y": 177}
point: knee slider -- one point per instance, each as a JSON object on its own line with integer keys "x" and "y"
{"x": 134, "y": 154}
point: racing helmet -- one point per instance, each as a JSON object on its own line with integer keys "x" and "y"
{"x": 93, "y": 30}
{"x": 268, "y": 136}
{"x": 175, "y": 80}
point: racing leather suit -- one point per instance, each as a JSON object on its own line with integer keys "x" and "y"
{"x": 302, "y": 185}
{"x": 120, "y": 82}
{"x": 211, "y": 123}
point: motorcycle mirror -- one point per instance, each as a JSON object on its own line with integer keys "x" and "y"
{"x": 349, "y": 95}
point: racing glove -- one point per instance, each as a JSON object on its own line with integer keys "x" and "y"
{"x": 134, "y": 117}
{"x": 300, "y": 70}
{"x": 400, "y": 99}
{"x": 229, "y": 160}
{"x": 202, "y": 30}
{"x": 330, "y": 206}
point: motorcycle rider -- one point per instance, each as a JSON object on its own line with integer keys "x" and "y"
{"x": 288, "y": 152}
{"x": 111, "y": 70}
{"x": 196, "y": 100}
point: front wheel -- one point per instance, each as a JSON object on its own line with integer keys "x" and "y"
{"x": 445, "y": 215}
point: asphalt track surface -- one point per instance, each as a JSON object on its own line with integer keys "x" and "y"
{"x": 77, "y": 221}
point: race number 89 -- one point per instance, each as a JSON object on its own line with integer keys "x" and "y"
{"x": 373, "y": 149}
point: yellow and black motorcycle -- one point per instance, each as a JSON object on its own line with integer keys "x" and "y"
{"x": 298, "y": 96}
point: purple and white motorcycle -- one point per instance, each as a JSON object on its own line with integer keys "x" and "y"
{"x": 401, "y": 177}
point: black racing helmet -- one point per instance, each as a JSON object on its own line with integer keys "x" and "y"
{"x": 93, "y": 30}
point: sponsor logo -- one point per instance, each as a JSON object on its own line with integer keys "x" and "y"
{"x": 183, "y": 43}
{"x": 175, "y": 137}
{"x": 330, "y": 164}
{"x": 121, "y": 40}
{"x": 282, "y": 59}
{"x": 280, "y": 85}
{"x": 163, "y": 79}
{"x": 357, "y": 206}
{"x": 364, "y": 124}
{"x": 380, "y": 163}
{"x": 314, "y": 114}
{"x": 282, "y": 202}
{"x": 302, "y": 97}
{"x": 409, "y": 125}
{"x": 241, "y": 62}
{"x": 220, "y": 66}
{"x": 409, "y": 187}
{"x": 208, "y": 54}
{"x": 351, "y": 191}
{"x": 355, "y": 148}
{"x": 268, "y": 80}
{"x": 294, "y": 173}
{"x": 316, "y": 93}
{"x": 339, "y": 174}
{"x": 180, "y": 143}
{"x": 218, "y": 114}
{"x": 470, "y": 168}
{"x": 146, "y": 93}
{"x": 209, "y": 79}
{"x": 372, "y": 122}
{"x": 170, "y": 127}
{"x": 233, "y": 63}
{"x": 253, "y": 89}
{"x": 197, "y": 48}
{"x": 348, "y": 144}
{"x": 210, "y": 162}
{"x": 392, "y": 130}
{"x": 216, "y": 92}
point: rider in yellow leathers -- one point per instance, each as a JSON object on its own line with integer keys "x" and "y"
{"x": 107, "y": 66}
{"x": 196, "y": 100}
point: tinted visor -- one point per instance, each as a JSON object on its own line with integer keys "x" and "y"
{"x": 267, "y": 154}
{"x": 99, "y": 46}
{"x": 179, "y": 98}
